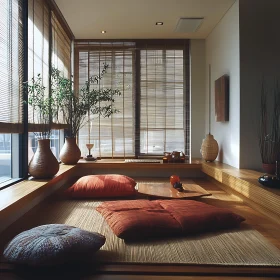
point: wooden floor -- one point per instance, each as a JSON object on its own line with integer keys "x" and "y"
{"x": 267, "y": 227}
{"x": 260, "y": 222}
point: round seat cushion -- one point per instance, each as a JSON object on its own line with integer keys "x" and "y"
{"x": 52, "y": 244}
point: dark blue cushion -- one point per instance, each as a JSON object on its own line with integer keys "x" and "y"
{"x": 52, "y": 244}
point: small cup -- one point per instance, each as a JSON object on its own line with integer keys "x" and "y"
{"x": 165, "y": 160}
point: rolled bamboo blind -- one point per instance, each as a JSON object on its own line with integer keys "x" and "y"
{"x": 11, "y": 70}
{"x": 48, "y": 43}
{"x": 114, "y": 136}
{"x": 153, "y": 77}
{"x": 38, "y": 55}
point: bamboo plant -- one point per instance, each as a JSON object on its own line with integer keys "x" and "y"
{"x": 76, "y": 107}
{"x": 43, "y": 107}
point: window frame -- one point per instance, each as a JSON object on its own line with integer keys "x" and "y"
{"x": 152, "y": 59}
{"x": 182, "y": 44}
{"x": 19, "y": 142}
{"x": 18, "y": 168}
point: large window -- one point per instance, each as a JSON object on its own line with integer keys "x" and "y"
{"x": 11, "y": 78}
{"x": 61, "y": 47}
{"x": 114, "y": 136}
{"x": 5, "y": 157}
{"x": 38, "y": 61}
{"x": 25, "y": 53}
{"x": 48, "y": 46}
{"x": 154, "y": 113}
{"x": 162, "y": 101}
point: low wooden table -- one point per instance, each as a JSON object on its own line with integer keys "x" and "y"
{"x": 164, "y": 189}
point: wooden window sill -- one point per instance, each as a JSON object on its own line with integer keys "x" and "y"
{"x": 17, "y": 199}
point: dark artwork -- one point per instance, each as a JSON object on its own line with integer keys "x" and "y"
{"x": 222, "y": 99}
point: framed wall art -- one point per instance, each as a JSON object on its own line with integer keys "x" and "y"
{"x": 222, "y": 99}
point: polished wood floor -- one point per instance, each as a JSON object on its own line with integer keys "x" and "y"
{"x": 228, "y": 198}
{"x": 220, "y": 197}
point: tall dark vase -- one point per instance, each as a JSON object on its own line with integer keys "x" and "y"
{"x": 43, "y": 164}
{"x": 70, "y": 152}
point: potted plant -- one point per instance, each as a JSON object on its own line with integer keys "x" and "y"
{"x": 43, "y": 163}
{"x": 269, "y": 132}
{"x": 75, "y": 108}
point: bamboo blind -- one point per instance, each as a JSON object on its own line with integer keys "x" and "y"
{"x": 11, "y": 70}
{"x": 153, "y": 77}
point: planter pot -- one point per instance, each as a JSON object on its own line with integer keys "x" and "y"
{"x": 43, "y": 163}
{"x": 70, "y": 152}
{"x": 209, "y": 148}
{"x": 269, "y": 168}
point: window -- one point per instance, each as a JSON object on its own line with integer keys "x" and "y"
{"x": 11, "y": 78}
{"x": 16, "y": 45}
{"x": 5, "y": 158}
{"x": 38, "y": 60}
{"x": 114, "y": 136}
{"x": 154, "y": 107}
{"x": 61, "y": 55}
{"x": 61, "y": 47}
{"x": 46, "y": 39}
{"x": 161, "y": 101}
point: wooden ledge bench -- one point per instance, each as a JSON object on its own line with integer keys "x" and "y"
{"x": 244, "y": 183}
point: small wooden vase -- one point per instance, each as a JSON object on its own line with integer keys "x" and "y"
{"x": 209, "y": 148}
{"x": 70, "y": 152}
{"x": 43, "y": 164}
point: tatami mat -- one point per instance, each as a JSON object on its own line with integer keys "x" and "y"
{"x": 244, "y": 246}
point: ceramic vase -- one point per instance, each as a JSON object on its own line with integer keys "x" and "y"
{"x": 209, "y": 148}
{"x": 30, "y": 150}
{"x": 70, "y": 152}
{"x": 43, "y": 163}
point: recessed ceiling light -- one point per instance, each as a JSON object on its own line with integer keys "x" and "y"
{"x": 103, "y": 31}
{"x": 159, "y": 23}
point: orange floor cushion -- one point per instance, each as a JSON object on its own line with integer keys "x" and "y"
{"x": 134, "y": 219}
{"x": 106, "y": 185}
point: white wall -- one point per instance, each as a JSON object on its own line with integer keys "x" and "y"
{"x": 197, "y": 92}
{"x": 222, "y": 54}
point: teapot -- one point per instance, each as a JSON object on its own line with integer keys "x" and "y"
{"x": 176, "y": 156}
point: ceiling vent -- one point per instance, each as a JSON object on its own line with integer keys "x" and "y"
{"x": 188, "y": 25}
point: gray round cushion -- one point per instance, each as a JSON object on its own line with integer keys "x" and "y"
{"x": 52, "y": 244}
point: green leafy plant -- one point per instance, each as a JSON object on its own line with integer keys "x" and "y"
{"x": 42, "y": 104}
{"x": 75, "y": 108}
{"x": 269, "y": 132}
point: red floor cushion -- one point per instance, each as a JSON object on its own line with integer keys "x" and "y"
{"x": 134, "y": 219}
{"x": 196, "y": 217}
{"x": 107, "y": 185}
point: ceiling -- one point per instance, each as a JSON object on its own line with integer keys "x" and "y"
{"x": 135, "y": 19}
